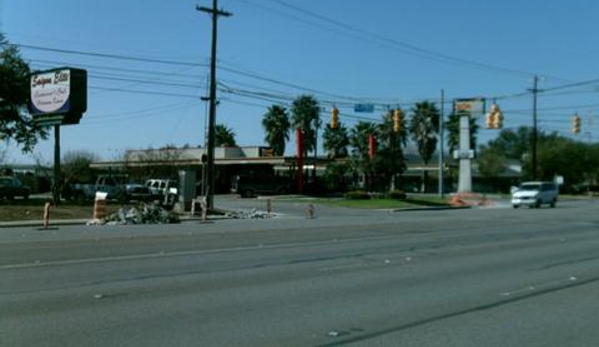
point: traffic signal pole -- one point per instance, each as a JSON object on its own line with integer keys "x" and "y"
{"x": 441, "y": 149}
{"x": 210, "y": 172}
{"x": 535, "y": 91}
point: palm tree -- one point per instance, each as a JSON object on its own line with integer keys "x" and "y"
{"x": 276, "y": 125}
{"x": 335, "y": 141}
{"x": 424, "y": 127}
{"x": 224, "y": 136}
{"x": 358, "y": 139}
{"x": 305, "y": 115}
{"x": 392, "y": 160}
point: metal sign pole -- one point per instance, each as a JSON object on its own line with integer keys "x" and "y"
{"x": 57, "y": 180}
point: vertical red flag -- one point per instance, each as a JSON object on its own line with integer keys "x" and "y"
{"x": 371, "y": 146}
{"x": 300, "y": 159}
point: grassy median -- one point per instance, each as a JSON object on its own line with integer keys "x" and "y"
{"x": 384, "y": 203}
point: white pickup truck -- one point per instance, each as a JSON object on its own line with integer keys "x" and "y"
{"x": 116, "y": 186}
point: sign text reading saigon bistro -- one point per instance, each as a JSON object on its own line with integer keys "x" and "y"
{"x": 50, "y": 91}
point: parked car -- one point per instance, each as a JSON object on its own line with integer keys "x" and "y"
{"x": 163, "y": 190}
{"x": 11, "y": 187}
{"x": 535, "y": 194}
{"x": 248, "y": 187}
{"x": 117, "y": 187}
{"x": 160, "y": 187}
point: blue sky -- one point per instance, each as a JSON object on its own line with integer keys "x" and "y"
{"x": 387, "y": 52}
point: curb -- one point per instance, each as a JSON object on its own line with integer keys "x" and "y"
{"x": 40, "y": 223}
{"x": 68, "y": 222}
{"x": 430, "y": 208}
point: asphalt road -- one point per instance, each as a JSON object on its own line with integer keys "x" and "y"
{"x": 479, "y": 277}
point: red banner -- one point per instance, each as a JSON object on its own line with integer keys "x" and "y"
{"x": 300, "y": 159}
{"x": 371, "y": 146}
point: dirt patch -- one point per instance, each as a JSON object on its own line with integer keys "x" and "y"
{"x": 33, "y": 209}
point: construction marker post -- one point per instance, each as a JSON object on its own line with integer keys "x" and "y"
{"x": 204, "y": 207}
{"x": 310, "y": 211}
{"x": 100, "y": 206}
{"x": 47, "y": 214}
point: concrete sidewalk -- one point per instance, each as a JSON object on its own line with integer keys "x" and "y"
{"x": 40, "y": 223}
{"x": 63, "y": 222}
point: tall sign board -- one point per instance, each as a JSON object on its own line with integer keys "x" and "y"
{"x": 466, "y": 108}
{"x": 58, "y": 96}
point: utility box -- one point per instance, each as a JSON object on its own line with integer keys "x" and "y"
{"x": 187, "y": 189}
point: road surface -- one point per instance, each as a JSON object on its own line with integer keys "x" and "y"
{"x": 479, "y": 277}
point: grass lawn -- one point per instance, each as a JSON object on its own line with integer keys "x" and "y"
{"x": 385, "y": 203}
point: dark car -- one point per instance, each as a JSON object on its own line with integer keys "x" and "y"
{"x": 248, "y": 187}
{"x": 11, "y": 187}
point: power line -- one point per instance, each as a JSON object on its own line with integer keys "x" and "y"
{"x": 111, "y": 56}
{"x": 110, "y": 68}
{"x": 142, "y": 81}
{"x": 254, "y": 76}
{"x": 148, "y": 114}
{"x": 405, "y": 46}
{"x": 146, "y": 92}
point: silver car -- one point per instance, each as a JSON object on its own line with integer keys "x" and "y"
{"x": 535, "y": 194}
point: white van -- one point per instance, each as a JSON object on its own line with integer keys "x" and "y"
{"x": 535, "y": 194}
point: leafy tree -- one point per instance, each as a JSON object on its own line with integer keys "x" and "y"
{"x": 276, "y": 125}
{"x": 514, "y": 144}
{"x": 152, "y": 163}
{"x": 76, "y": 166}
{"x": 224, "y": 136}
{"x": 335, "y": 141}
{"x": 557, "y": 155}
{"x": 15, "y": 123}
{"x": 491, "y": 162}
{"x": 305, "y": 115}
{"x": 424, "y": 126}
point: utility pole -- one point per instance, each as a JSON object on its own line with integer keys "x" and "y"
{"x": 210, "y": 172}
{"x": 441, "y": 129}
{"x": 535, "y": 91}
{"x": 57, "y": 177}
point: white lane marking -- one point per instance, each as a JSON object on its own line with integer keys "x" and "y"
{"x": 161, "y": 254}
{"x": 539, "y": 286}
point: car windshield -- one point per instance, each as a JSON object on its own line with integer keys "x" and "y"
{"x": 530, "y": 187}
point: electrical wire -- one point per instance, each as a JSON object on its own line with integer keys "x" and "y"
{"x": 406, "y": 47}
{"x": 111, "y": 56}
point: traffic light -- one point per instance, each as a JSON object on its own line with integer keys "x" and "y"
{"x": 397, "y": 120}
{"x": 498, "y": 120}
{"x": 494, "y": 119}
{"x": 490, "y": 120}
{"x": 576, "y": 124}
{"x": 334, "y": 118}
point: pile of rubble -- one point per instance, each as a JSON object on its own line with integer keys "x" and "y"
{"x": 248, "y": 214}
{"x": 144, "y": 214}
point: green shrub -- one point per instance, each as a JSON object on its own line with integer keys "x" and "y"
{"x": 357, "y": 195}
{"x": 398, "y": 195}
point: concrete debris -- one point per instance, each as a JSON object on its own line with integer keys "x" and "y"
{"x": 248, "y": 214}
{"x": 144, "y": 214}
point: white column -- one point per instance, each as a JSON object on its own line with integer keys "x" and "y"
{"x": 465, "y": 180}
